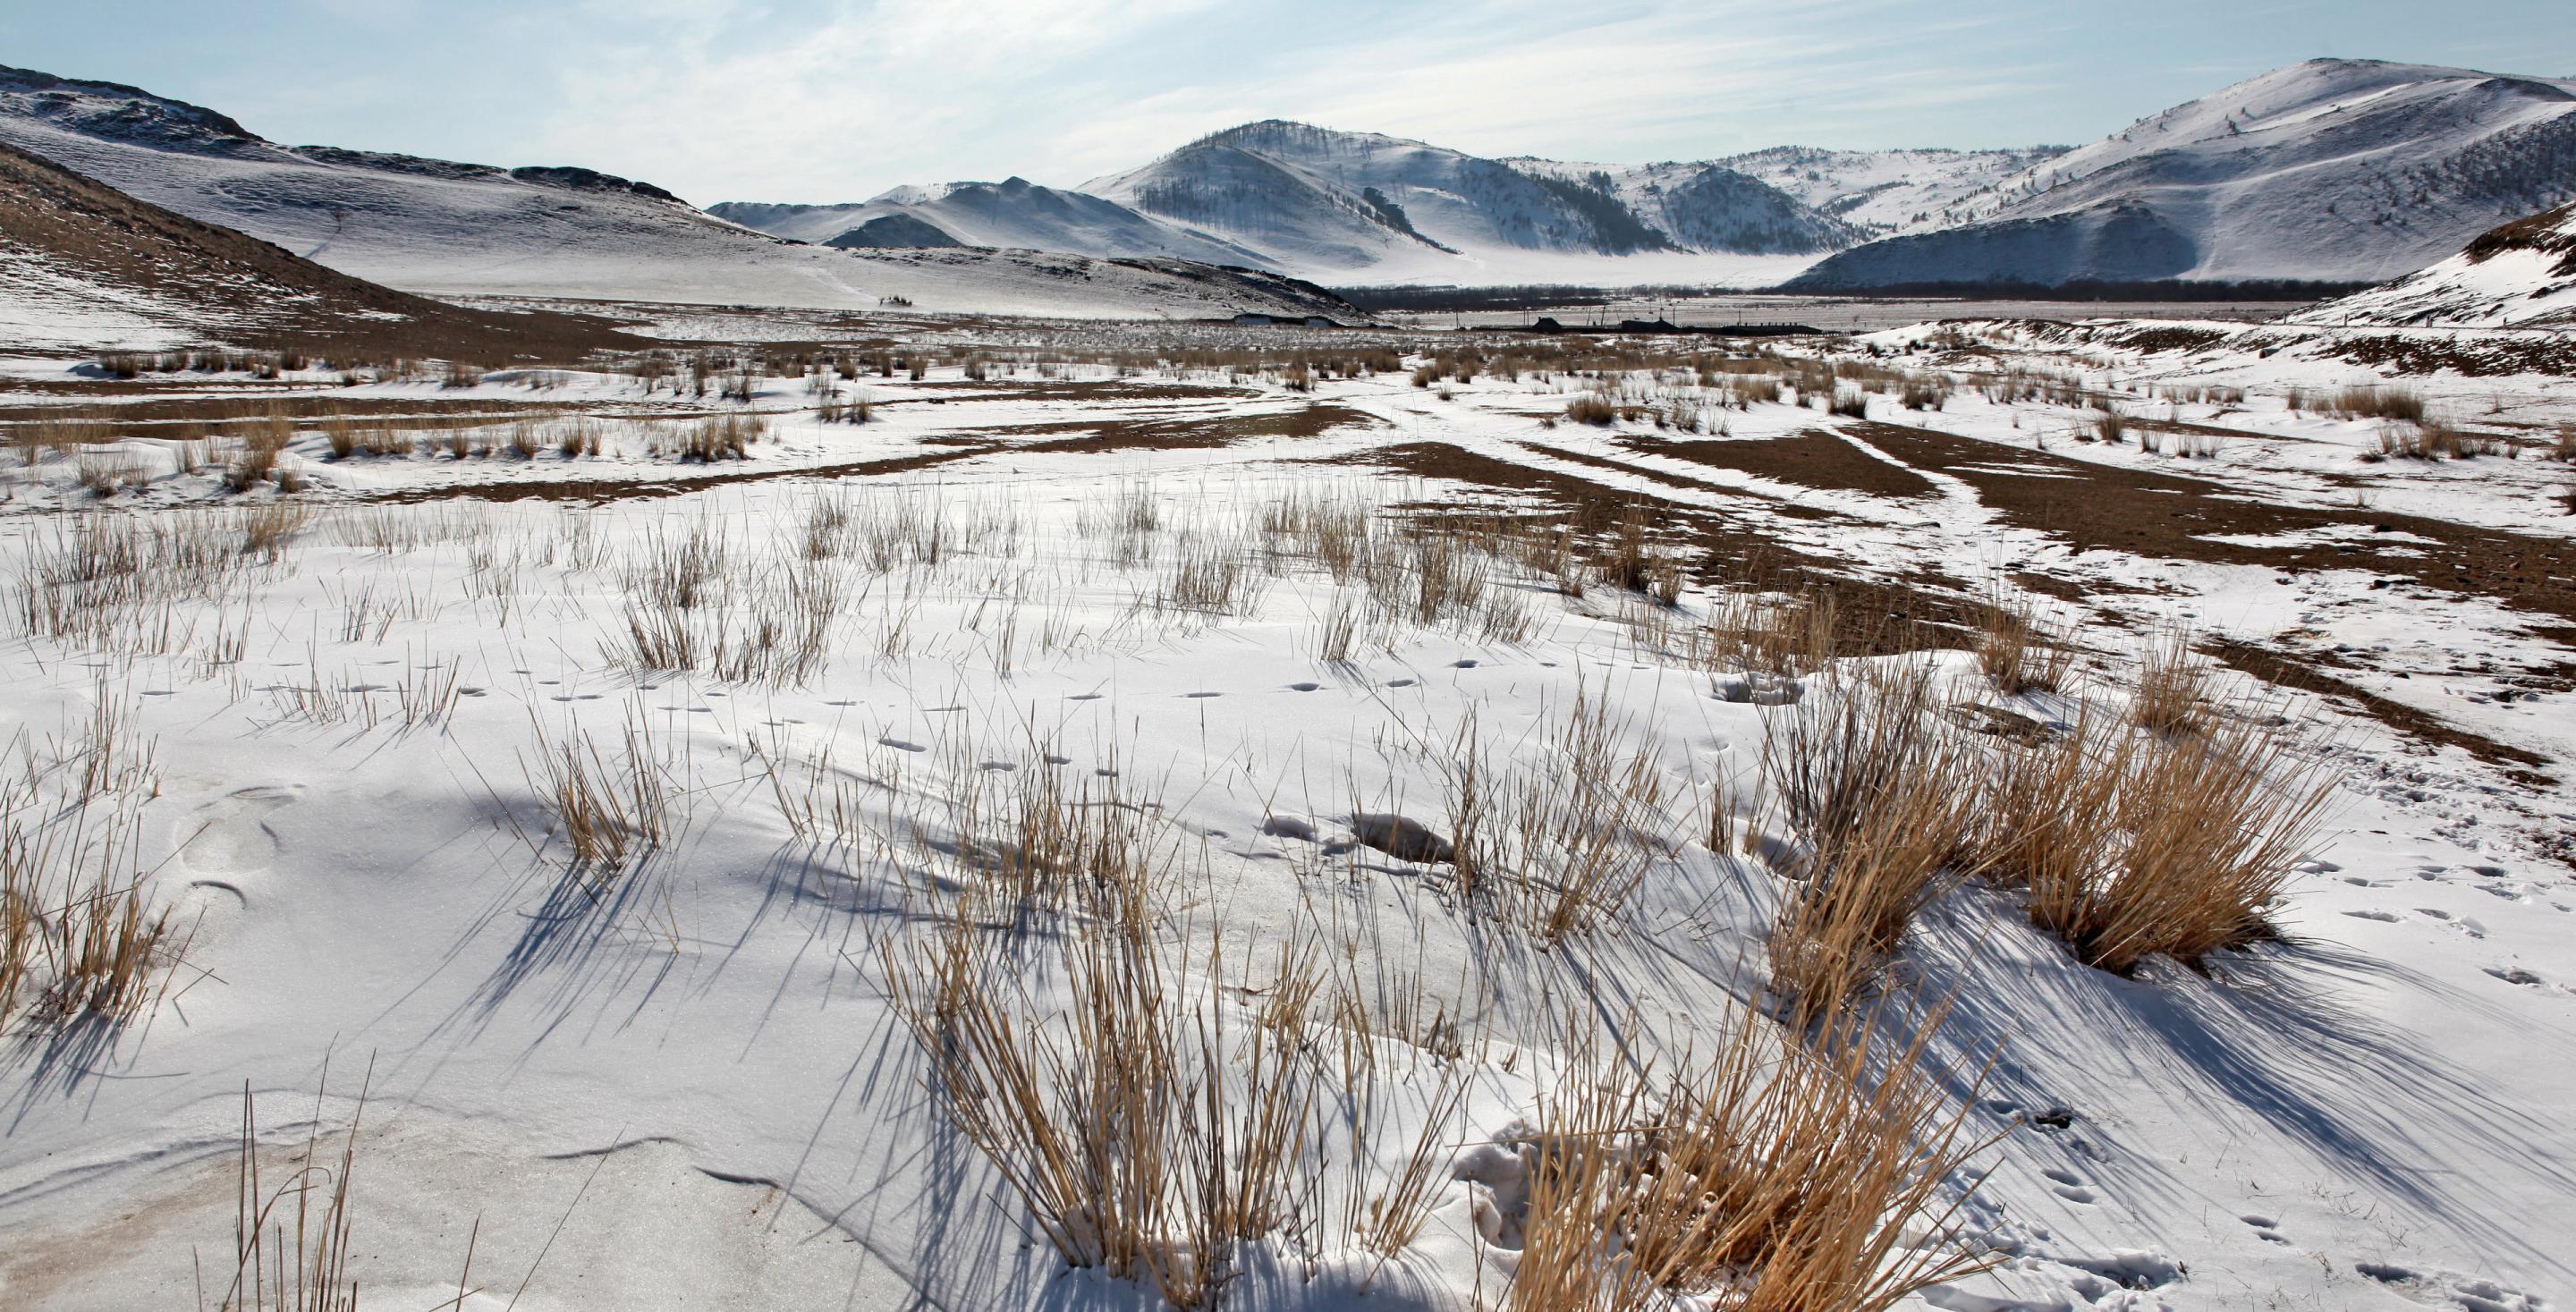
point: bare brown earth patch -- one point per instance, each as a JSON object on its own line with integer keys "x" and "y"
{"x": 1084, "y": 438}
{"x": 2147, "y": 514}
{"x": 1813, "y": 458}
{"x": 1771, "y": 504}
{"x": 645, "y": 489}
{"x": 1922, "y": 610}
{"x": 2301, "y": 674}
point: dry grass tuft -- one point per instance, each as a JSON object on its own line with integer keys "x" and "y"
{"x": 1877, "y": 783}
{"x": 2171, "y": 681}
{"x": 291, "y": 1243}
{"x": 610, "y": 816}
{"x": 1773, "y": 1177}
{"x": 2212, "y": 826}
{"x": 2017, "y": 653}
{"x": 1150, "y": 1128}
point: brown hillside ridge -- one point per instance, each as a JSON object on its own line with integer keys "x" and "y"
{"x": 243, "y": 292}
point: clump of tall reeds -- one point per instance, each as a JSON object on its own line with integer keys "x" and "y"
{"x": 2017, "y": 652}
{"x": 1775, "y": 1176}
{"x": 1877, "y": 785}
{"x": 2136, "y": 844}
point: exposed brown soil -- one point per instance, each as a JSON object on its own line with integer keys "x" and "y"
{"x": 295, "y": 405}
{"x": 1064, "y": 390}
{"x": 248, "y": 293}
{"x": 1814, "y": 459}
{"x": 1130, "y": 435}
{"x": 1874, "y": 615}
{"x": 2279, "y": 667}
{"x": 2096, "y": 509}
{"x": 1776, "y": 506}
{"x": 2482, "y": 356}
{"x": 1221, "y": 430}
{"x": 645, "y": 489}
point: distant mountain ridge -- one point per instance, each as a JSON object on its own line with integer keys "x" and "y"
{"x": 2338, "y": 170}
{"x": 2345, "y": 171}
{"x": 441, "y": 227}
{"x": 1353, "y": 207}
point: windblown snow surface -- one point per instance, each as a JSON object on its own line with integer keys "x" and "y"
{"x": 680, "y": 1080}
{"x": 2521, "y": 274}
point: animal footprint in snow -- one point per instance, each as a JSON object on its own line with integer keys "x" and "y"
{"x": 2069, "y": 1186}
{"x": 232, "y": 835}
{"x": 900, "y": 745}
{"x": 2449, "y": 1289}
{"x": 2383, "y": 917}
{"x": 2516, "y": 975}
{"x": 1206, "y": 694}
{"x": 1304, "y": 687}
{"x": 2265, "y": 1228}
{"x": 2465, "y": 924}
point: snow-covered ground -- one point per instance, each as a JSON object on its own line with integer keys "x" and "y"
{"x": 329, "y": 732}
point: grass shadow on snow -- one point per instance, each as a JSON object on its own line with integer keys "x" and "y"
{"x": 2275, "y": 1033}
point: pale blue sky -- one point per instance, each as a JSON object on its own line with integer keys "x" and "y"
{"x": 822, "y": 100}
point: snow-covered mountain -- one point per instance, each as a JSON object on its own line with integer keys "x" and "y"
{"x": 2330, "y": 169}
{"x": 440, "y": 227}
{"x": 1012, "y": 213}
{"x": 2518, "y": 275}
{"x": 1887, "y": 192}
{"x": 1370, "y": 207}
{"x": 1359, "y": 207}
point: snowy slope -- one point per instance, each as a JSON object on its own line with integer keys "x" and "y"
{"x": 2330, "y": 169}
{"x": 1364, "y": 206}
{"x": 2519, "y": 275}
{"x": 84, "y": 267}
{"x": 1705, "y": 206}
{"x": 1886, "y": 192}
{"x": 1012, "y": 213}
{"x": 445, "y": 228}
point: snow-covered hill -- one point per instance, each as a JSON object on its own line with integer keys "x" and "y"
{"x": 85, "y": 267}
{"x": 439, "y": 227}
{"x": 2330, "y": 169}
{"x": 2518, "y": 275}
{"x": 1368, "y": 207}
{"x": 1886, "y": 192}
{"x": 1011, "y": 213}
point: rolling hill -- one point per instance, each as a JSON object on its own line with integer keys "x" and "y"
{"x": 442, "y": 228}
{"x": 1361, "y": 207}
{"x": 91, "y": 268}
{"x": 2517, "y": 275}
{"x": 2350, "y": 170}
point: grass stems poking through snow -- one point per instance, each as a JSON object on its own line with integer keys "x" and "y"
{"x": 608, "y": 815}
{"x": 1772, "y": 1177}
{"x": 1551, "y": 836}
{"x": 2378, "y": 403}
{"x": 1032, "y": 840}
{"x": 2016, "y": 651}
{"x": 1150, "y": 1127}
{"x": 1767, "y": 633}
{"x": 693, "y": 602}
{"x": 78, "y": 938}
{"x": 291, "y": 1242}
{"x": 2171, "y": 680}
{"x": 1875, "y": 781}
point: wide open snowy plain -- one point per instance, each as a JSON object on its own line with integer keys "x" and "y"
{"x": 633, "y": 831}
